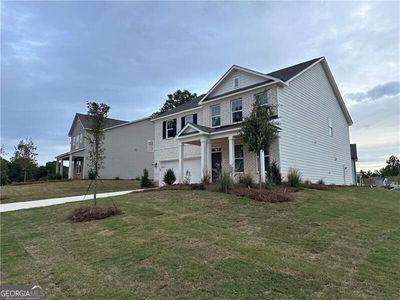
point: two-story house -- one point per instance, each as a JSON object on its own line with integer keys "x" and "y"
{"x": 203, "y": 135}
{"x": 128, "y": 148}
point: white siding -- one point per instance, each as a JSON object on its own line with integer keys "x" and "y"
{"x": 305, "y": 108}
{"x": 245, "y": 79}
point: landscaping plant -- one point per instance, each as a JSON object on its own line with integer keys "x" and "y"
{"x": 169, "y": 177}
{"x": 259, "y": 130}
{"x": 321, "y": 181}
{"x": 225, "y": 181}
{"x": 144, "y": 180}
{"x": 294, "y": 177}
{"x": 273, "y": 173}
{"x": 246, "y": 181}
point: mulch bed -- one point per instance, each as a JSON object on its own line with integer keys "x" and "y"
{"x": 320, "y": 187}
{"x": 89, "y": 213}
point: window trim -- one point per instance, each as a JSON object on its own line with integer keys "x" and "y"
{"x": 232, "y": 112}
{"x": 78, "y": 166}
{"x": 219, "y": 115}
{"x": 169, "y": 129}
{"x": 238, "y": 158}
{"x": 266, "y": 154}
{"x": 261, "y": 93}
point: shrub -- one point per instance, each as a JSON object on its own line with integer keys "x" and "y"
{"x": 307, "y": 181}
{"x": 321, "y": 181}
{"x": 117, "y": 178}
{"x": 197, "y": 186}
{"x": 138, "y": 178}
{"x": 169, "y": 177}
{"x": 273, "y": 173}
{"x": 206, "y": 179}
{"x": 144, "y": 180}
{"x": 294, "y": 177}
{"x": 225, "y": 181}
{"x": 269, "y": 185}
{"x": 92, "y": 174}
{"x": 186, "y": 180}
{"x": 246, "y": 181}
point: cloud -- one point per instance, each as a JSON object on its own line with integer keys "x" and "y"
{"x": 391, "y": 88}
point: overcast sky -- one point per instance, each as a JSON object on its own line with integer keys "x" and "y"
{"x": 58, "y": 55}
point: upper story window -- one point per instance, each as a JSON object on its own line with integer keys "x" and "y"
{"x": 239, "y": 161}
{"x": 262, "y": 97}
{"x": 215, "y": 115}
{"x": 169, "y": 129}
{"x": 81, "y": 139}
{"x": 330, "y": 128}
{"x": 188, "y": 119}
{"x": 236, "y": 82}
{"x": 237, "y": 110}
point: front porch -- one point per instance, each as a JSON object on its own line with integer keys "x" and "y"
{"x": 77, "y": 166}
{"x": 221, "y": 150}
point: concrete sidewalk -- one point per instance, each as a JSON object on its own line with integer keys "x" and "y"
{"x": 54, "y": 201}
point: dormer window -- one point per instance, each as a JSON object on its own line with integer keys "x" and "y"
{"x": 236, "y": 82}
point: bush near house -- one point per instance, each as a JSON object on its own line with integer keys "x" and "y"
{"x": 273, "y": 173}
{"x": 294, "y": 177}
{"x": 144, "y": 180}
{"x": 321, "y": 181}
{"x": 169, "y": 177}
{"x": 246, "y": 181}
{"x": 225, "y": 181}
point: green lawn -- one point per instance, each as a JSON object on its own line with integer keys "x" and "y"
{"x": 202, "y": 245}
{"x": 54, "y": 189}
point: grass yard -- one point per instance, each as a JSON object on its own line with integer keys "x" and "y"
{"x": 202, "y": 245}
{"x": 54, "y": 189}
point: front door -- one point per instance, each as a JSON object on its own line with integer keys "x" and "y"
{"x": 216, "y": 160}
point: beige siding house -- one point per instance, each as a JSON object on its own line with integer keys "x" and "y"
{"x": 202, "y": 136}
{"x": 129, "y": 149}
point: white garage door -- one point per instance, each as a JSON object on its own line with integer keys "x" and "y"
{"x": 191, "y": 165}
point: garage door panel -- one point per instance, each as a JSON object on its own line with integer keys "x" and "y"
{"x": 191, "y": 165}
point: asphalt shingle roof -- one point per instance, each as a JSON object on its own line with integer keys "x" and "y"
{"x": 86, "y": 121}
{"x": 284, "y": 74}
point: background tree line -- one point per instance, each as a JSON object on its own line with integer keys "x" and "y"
{"x": 23, "y": 166}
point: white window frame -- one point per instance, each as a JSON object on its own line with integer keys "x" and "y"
{"x": 330, "y": 128}
{"x": 262, "y": 94}
{"x": 169, "y": 129}
{"x": 238, "y": 158}
{"x": 78, "y": 167}
{"x": 215, "y": 116}
{"x": 236, "y": 80}
{"x": 232, "y": 112}
{"x": 189, "y": 119}
{"x": 266, "y": 154}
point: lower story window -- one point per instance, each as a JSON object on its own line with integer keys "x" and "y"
{"x": 239, "y": 161}
{"x": 78, "y": 167}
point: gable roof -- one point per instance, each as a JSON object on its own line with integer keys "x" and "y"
{"x": 288, "y": 73}
{"x": 205, "y": 129}
{"x": 283, "y": 76}
{"x": 86, "y": 121}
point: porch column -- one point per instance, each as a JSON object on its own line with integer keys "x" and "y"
{"x": 61, "y": 168}
{"x": 84, "y": 166}
{"x": 181, "y": 157}
{"x": 232, "y": 153}
{"x": 70, "y": 167}
{"x": 203, "y": 154}
{"x": 57, "y": 167}
{"x": 209, "y": 158}
{"x": 262, "y": 165}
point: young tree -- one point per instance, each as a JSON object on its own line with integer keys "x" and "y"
{"x": 98, "y": 113}
{"x": 3, "y": 167}
{"x": 392, "y": 167}
{"x": 25, "y": 155}
{"x": 259, "y": 130}
{"x": 176, "y": 99}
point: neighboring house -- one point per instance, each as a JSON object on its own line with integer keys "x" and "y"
{"x": 202, "y": 136}
{"x": 129, "y": 148}
{"x": 354, "y": 159}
